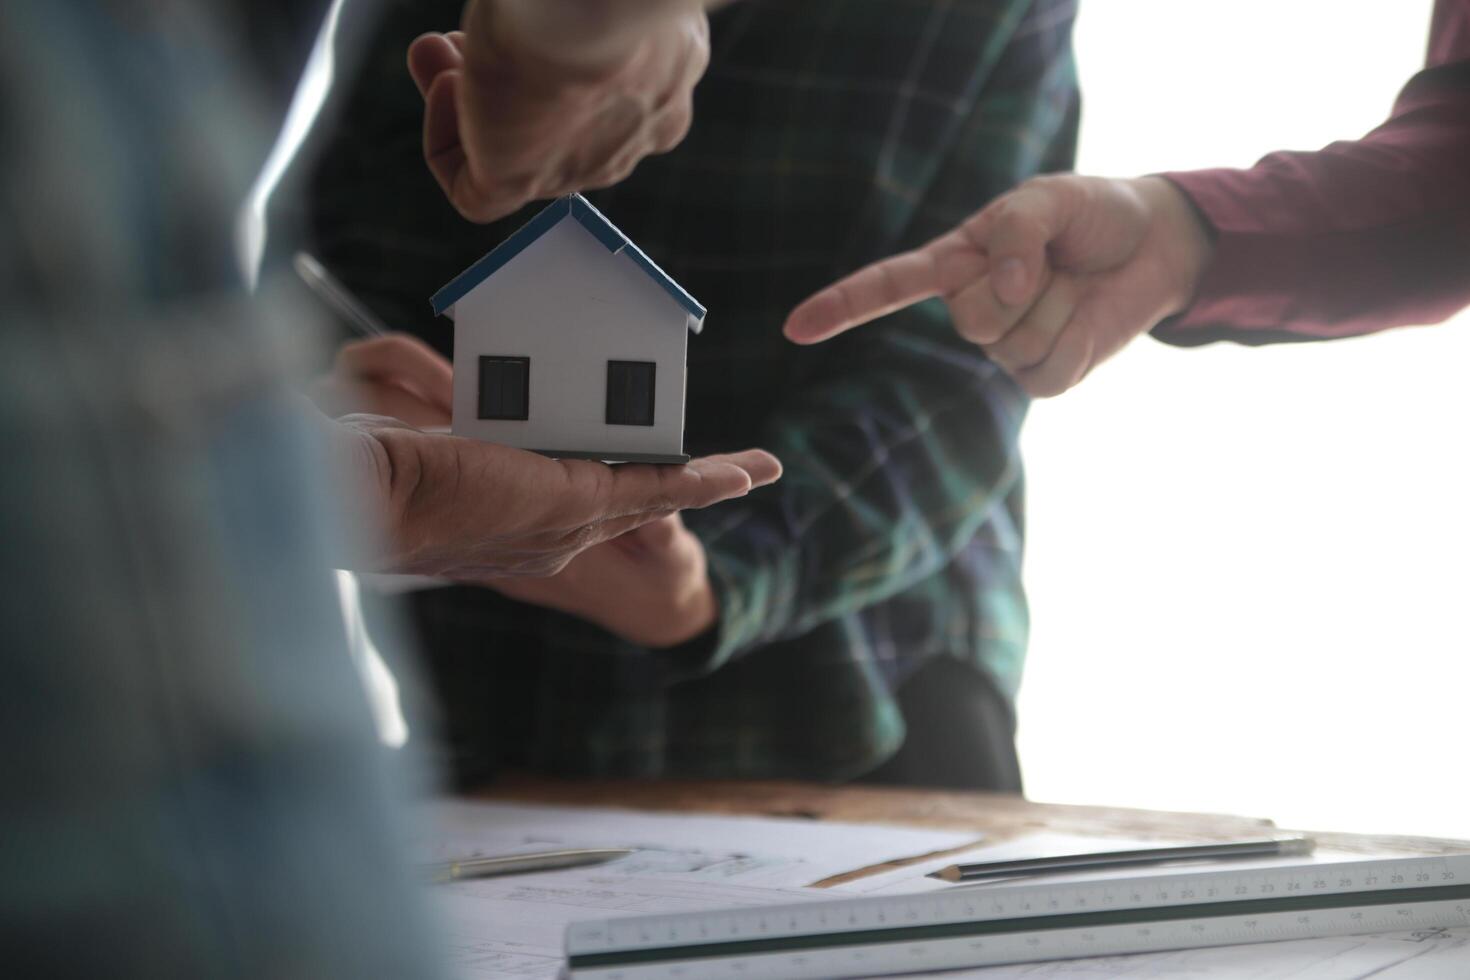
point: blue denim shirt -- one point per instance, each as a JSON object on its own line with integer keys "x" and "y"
{"x": 189, "y": 778}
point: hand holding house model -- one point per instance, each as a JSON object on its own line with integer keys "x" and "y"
{"x": 570, "y": 342}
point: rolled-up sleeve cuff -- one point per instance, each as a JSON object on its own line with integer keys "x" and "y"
{"x": 743, "y": 613}
{"x": 740, "y": 626}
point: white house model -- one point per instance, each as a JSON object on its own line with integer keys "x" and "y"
{"x": 570, "y": 342}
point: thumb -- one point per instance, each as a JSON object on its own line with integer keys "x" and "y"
{"x": 658, "y": 535}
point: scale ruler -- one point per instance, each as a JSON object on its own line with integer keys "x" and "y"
{"x": 996, "y": 924}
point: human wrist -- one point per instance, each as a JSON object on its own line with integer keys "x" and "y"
{"x": 1181, "y": 236}
{"x": 742, "y": 593}
{"x": 699, "y": 614}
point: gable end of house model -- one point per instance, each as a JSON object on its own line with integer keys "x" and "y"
{"x": 569, "y": 341}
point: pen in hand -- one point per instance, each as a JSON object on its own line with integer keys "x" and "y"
{"x": 362, "y": 320}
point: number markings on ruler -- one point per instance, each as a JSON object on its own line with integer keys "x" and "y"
{"x": 970, "y": 927}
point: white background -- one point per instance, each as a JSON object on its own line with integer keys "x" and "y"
{"x": 1248, "y": 568}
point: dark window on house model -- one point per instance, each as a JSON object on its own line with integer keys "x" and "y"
{"x": 630, "y": 392}
{"x": 505, "y": 387}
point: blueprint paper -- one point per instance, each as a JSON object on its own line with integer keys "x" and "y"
{"x": 513, "y": 927}
{"x": 500, "y": 928}
{"x": 759, "y": 851}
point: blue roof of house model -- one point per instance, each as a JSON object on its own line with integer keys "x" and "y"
{"x": 590, "y": 218}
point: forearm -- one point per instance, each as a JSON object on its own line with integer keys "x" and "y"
{"x": 892, "y": 467}
{"x": 1358, "y": 237}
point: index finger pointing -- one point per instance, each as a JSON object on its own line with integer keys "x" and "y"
{"x": 943, "y": 266}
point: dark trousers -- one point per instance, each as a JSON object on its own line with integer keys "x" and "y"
{"x": 961, "y": 733}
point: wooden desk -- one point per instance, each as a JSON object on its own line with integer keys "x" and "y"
{"x": 997, "y": 817}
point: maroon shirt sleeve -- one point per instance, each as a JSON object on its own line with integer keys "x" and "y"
{"x": 1357, "y": 237}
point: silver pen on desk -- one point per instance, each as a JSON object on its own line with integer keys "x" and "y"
{"x": 515, "y": 864}
{"x": 1066, "y": 864}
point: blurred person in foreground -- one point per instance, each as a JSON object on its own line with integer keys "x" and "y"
{"x": 1061, "y": 274}
{"x": 865, "y": 617}
{"x": 191, "y": 785}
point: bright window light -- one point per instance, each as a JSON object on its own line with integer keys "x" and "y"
{"x": 1248, "y": 568}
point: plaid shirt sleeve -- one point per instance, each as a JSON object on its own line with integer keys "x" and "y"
{"x": 895, "y": 456}
{"x": 902, "y": 441}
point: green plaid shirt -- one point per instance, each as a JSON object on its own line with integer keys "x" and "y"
{"x": 827, "y": 133}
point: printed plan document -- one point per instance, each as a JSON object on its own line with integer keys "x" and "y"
{"x": 757, "y": 851}
{"x": 513, "y": 926}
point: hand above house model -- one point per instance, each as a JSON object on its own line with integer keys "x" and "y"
{"x": 534, "y": 99}
{"x": 1050, "y": 280}
{"x": 650, "y": 586}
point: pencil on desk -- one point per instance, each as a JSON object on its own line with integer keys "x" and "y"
{"x": 515, "y": 864}
{"x": 1275, "y": 847}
